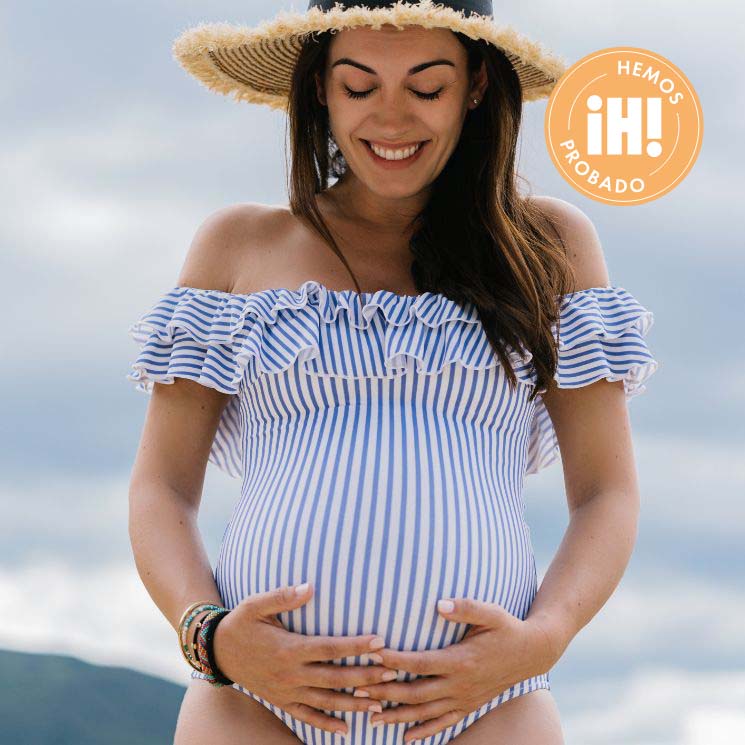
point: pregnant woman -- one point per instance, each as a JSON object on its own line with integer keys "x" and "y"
{"x": 382, "y": 432}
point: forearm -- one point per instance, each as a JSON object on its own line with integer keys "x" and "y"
{"x": 169, "y": 552}
{"x": 587, "y": 567}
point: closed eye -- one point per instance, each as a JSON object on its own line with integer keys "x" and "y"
{"x": 364, "y": 94}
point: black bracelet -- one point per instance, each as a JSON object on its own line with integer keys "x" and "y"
{"x": 209, "y": 646}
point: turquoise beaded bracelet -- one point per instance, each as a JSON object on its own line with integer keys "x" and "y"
{"x": 206, "y": 649}
{"x": 192, "y": 612}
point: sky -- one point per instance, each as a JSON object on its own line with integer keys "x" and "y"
{"x": 112, "y": 156}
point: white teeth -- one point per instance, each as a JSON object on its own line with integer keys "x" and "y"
{"x": 395, "y": 154}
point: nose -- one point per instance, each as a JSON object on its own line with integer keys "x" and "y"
{"x": 393, "y": 117}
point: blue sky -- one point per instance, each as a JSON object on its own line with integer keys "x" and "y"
{"x": 112, "y": 156}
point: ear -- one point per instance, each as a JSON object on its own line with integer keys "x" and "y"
{"x": 479, "y": 83}
{"x": 320, "y": 91}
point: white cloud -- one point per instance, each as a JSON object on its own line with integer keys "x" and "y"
{"x": 692, "y": 482}
{"x": 97, "y": 615}
{"x": 688, "y": 479}
{"x": 715, "y": 724}
{"x": 100, "y": 196}
{"x": 668, "y": 615}
{"x": 663, "y": 706}
{"x": 74, "y": 517}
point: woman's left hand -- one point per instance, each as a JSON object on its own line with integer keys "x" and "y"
{"x": 498, "y": 651}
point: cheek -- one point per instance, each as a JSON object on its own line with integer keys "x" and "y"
{"x": 447, "y": 125}
{"x": 345, "y": 115}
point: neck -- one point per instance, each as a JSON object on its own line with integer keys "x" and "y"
{"x": 391, "y": 216}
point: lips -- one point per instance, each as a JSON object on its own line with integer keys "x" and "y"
{"x": 395, "y": 164}
{"x": 414, "y": 150}
{"x": 396, "y": 147}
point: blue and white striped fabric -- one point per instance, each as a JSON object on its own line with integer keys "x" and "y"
{"x": 382, "y": 453}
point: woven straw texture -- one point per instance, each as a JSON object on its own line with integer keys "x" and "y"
{"x": 255, "y": 64}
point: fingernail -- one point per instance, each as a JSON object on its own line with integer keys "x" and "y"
{"x": 361, "y": 694}
{"x": 302, "y": 589}
{"x": 376, "y": 658}
{"x": 445, "y": 606}
{"x": 389, "y": 675}
{"x": 376, "y": 723}
{"x": 341, "y": 732}
{"x": 377, "y": 643}
{"x": 375, "y": 707}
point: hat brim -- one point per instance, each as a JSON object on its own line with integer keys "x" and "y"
{"x": 255, "y": 64}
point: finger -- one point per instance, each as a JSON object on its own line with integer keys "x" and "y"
{"x": 324, "y": 675}
{"x": 476, "y": 612}
{"x": 423, "y": 662}
{"x": 409, "y": 692}
{"x": 317, "y": 718}
{"x": 277, "y": 600}
{"x": 322, "y": 698}
{"x": 414, "y": 713}
{"x": 433, "y": 726}
{"x": 326, "y": 648}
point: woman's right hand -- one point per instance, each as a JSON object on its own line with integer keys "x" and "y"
{"x": 291, "y": 670}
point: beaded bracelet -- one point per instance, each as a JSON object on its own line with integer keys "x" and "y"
{"x": 188, "y": 649}
{"x": 193, "y": 651}
{"x": 190, "y": 655}
{"x": 220, "y": 677}
{"x": 206, "y": 648}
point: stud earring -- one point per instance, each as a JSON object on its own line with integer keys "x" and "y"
{"x": 475, "y": 100}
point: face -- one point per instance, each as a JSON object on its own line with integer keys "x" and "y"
{"x": 397, "y": 88}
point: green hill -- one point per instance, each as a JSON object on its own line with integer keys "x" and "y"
{"x": 60, "y": 700}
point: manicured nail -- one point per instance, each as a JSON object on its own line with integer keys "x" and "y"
{"x": 375, "y": 707}
{"x": 376, "y": 658}
{"x": 302, "y": 589}
{"x": 445, "y": 606}
{"x": 377, "y": 643}
{"x": 341, "y": 732}
{"x": 376, "y": 722}
{"x": 389, "y": 675}
{"x": 361, "y": 694}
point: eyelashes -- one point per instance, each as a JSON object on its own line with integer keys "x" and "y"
{"x": 364, "y": 94}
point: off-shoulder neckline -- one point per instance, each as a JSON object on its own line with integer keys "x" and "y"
{"x": 316, "y": 284}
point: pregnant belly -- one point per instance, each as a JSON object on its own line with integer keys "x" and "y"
{"x": 380, "y": 551}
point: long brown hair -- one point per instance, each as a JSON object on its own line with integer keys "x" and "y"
{"x": 476, "y": 240}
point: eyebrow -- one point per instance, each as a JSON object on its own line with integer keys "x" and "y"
{"x": 413, "y": 71}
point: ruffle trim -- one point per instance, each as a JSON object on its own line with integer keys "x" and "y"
{"x": 244, "y": 336}
{"x": 600, "y": 336}
{"x": 222, "y": 339}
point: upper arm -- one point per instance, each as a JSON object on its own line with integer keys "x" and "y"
{"x": 183, "y": 416}
{"x": 591, "y": 422}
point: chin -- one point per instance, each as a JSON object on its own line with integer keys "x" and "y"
{"x": 390, "y": 190}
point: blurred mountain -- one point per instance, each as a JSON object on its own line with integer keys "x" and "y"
{"x": 59, "y": 700}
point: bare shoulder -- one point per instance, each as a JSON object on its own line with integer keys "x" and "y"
{"x": 580, "y": 237}
{"x": 230, "y": 239}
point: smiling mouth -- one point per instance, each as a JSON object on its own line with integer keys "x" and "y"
{"x": 418, "y": 146}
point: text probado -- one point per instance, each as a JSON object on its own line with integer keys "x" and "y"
{"x": 583, "y": 169}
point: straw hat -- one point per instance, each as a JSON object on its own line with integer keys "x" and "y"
{"x": 255, "y": 64}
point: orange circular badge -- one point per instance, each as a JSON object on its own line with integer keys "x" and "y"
{"x": 624, "y": 125}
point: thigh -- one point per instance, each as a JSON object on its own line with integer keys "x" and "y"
{"x": 530, "y": 719}
{"x": 228, "y": 716}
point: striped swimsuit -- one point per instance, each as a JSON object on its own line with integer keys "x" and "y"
{"x": 381, "y": 453}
